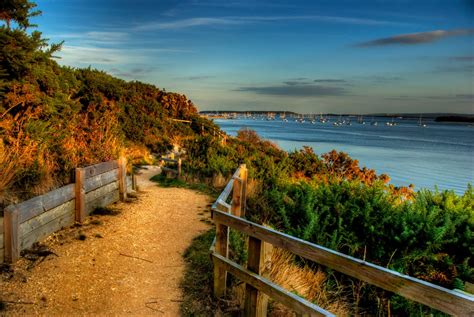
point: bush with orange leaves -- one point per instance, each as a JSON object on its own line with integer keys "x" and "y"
{"x": 39, "y": 151}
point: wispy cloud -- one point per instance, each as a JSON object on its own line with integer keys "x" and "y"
{"x": 329, "y": 80}
{"x": 465, "y": 96}
{"x": 295, "y": 83}
{"x": 385, "y": 79}
{"x": 94, "y": 37}
{"x": 302, "y": 90}
{"x": 241, "y": 20}
{"x": 466, "y": 69}
{"x": 416, "y": 38}
{"x": 402, "y": 98}
{"x": 134, "y": 73}
{"x": 198, "y": 77}
{"x": 91, "y": 55}
{"x": 307, "y": 81}
{"x": 464, "y": 58}
{"x": 457, "y": 97}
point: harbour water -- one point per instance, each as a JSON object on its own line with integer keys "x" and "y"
{"x": 439, "y": 154}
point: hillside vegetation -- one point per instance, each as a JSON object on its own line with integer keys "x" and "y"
{"x": 55, "y": 118}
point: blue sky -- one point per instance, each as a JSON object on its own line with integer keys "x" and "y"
{"x": 306, "y": 56}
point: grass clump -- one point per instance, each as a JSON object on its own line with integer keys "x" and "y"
{"x": 197, "y": 282}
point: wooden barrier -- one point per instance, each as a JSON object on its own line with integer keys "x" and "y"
{"x": 30, "y": 221}
{"x": 448, "y": 301}
{"x": 222, "y": 231}
{"x": 122, "y": 174}
{"x": 266, "y": 286}
{"x": 177, "y": 172}
{"x": 80, "y": 195}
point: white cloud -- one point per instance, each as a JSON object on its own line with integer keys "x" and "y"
{"x": 94, "y": 36}
{"x": 90, "y": 55}
{"x": 239, "y": 20}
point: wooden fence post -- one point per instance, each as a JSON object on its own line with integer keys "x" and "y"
{"x": 122, "y": 178}
{"x": 243, "y": 177}
{"x": 134, "y": 182}
{"x": 255, "y": 302}
{"x": 222, "y": 248}
{"x": 236, "y": 209}
{"x": 80, "y": 195}
{"x": 11, "y": 235}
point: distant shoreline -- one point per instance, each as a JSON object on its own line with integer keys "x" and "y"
{"x": 438, "y": 117}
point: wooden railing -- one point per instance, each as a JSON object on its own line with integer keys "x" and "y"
{"x": 30, "y": 221}
{"x": 231, "y": 215}
{"x": 168, "y": 171}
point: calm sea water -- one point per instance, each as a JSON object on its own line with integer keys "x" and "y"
{"x": 438, "y": 155}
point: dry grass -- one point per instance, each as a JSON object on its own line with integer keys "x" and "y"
{"x": 283, "y": 270}
{"x": 7, "y": 166}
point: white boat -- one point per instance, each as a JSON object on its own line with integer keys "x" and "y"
{"x": 421, "y": 124}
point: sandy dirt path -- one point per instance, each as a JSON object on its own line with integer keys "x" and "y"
{"x": 128, "y": 264}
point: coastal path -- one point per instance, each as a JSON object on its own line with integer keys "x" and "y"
{"x": 126, "y": 262}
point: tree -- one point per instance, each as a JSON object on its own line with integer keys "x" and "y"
{"x": 19, "y": 11}
{"x": 19, "y": 50}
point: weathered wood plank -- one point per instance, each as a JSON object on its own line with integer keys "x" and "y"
{"x": 222, "y": 206}
{"x": 58, "y": 196}
{"x": 10, "y": 227}
{"x": 80, "y": 192}
{"x": 212, "y": 248}
{"x": 226, "y": 192}
{"x": 101, "y": 191}
{"x": 37, "y": 205}
{"x": 432, "y": 295}
{"x": 46, "y": 217}
{"x": 122, "y": 178}
{"x": 103, "y": 201}
{"x": 134, "y": 182}
{"x": 221, "y": 247}
{"x": 129, "y": 180}
{"x": 40, "y": 233}
{"x": 97, "y": 169}
{"x": 243, "y": 176}
{"x": 279, "y": 294}
{"x": 228, "y": 188}
{"x": 253, "y": 302}
{"x": 236, "y": 208}
{"x": 101, "y": 180}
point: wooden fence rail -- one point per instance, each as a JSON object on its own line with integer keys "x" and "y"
{"x": 177, "y": 172}
{"x": 30, "y": 221}
{"x": 228, "y": 216}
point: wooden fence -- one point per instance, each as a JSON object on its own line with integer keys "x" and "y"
{"x": 169, "y": 171}
{"x": 32, "y": 220}
{"x": 231, "y": 215}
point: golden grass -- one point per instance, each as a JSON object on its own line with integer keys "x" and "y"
{"x": 310, "y": 284}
